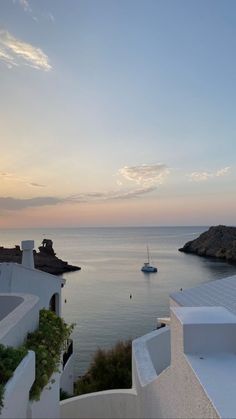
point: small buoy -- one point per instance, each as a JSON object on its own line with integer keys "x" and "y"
{"x": 130, "y": 296}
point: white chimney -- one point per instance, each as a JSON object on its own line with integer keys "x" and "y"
{"x": 28, "y": 257}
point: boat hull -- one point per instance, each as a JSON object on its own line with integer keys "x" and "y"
{"x": 148, "y": 269}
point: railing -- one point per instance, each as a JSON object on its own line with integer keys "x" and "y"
{"x": 69, "y": 351}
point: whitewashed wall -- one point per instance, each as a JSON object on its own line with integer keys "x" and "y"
{"x": 48, "y": 405}
{"x": 130, "y": 403}
{"x": 16, "y": 396}
{"x": 14, "y": 327}
{"x": 175, "y": 390}
{"x": 15, "y": 278}
{"x": 67, "y": 376}
{"x": 23, "y": 319}
{"x": 104, "y": 404}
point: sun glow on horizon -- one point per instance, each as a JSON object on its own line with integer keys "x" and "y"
{"x": 107, "y": 119}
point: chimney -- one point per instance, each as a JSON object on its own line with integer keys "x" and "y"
{"x": 28, "y": 257}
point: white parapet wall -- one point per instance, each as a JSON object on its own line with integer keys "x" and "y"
{"x": 198, "y": 383}
{"x": 16, "y": 395}
{"x": 103, "y": 404}
{"x": 67, "y": 376}
{"x": 151, "y": 355}
{"x": 48, "y": 405}
{"x": 22, "y": 319}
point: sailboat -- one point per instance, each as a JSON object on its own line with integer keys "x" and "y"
{"x": 146, "y": 266}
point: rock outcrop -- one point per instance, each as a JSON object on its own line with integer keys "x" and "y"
{"x": 44, "y": 260}
{"x": 218, "y": 242}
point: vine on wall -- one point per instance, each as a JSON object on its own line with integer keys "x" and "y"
{"x": 48, "y": 343}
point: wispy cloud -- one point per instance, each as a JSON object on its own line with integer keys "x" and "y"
{"x": 12, "y": 177}
{"x": 14, "y": 204}
{"x": 144, "y": 174}
{"x": 50, "y": 17}
{"x": 25, "y": 5}
{"x": 5, "y": 175}
{"x": 146, "y": 179}
{"x": 223, "y": 171}
{"x": 203, "y": 176}
{"x": 36, "y": 185}
{"x": 110, "y": 195}
{"x": 14, "y": 52}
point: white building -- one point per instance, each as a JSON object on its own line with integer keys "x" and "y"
{"x": 185, "y": 370}
{"x": 23, "y": 292}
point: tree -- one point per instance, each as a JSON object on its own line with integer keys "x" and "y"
{"x": 110, "y": 369}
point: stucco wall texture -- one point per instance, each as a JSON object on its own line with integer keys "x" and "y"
{"x": 172, "y": 392}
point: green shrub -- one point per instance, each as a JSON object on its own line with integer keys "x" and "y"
{"x": 110, "y": 369}
{"x": 10, "y": 358}
{"x": 48, "y": 343}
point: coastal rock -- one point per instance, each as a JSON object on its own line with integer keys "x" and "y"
{"x": 44, "y": 260}
{"x": 219, "y": 242}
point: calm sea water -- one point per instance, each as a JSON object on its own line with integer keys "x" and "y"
{"x": 98, "y": 296}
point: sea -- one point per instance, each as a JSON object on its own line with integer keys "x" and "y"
{"x": 110, "y": 299}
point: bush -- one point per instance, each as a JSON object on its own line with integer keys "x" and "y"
{"x": 110, "y": 369}
{"x": 48, "y": 343}
{"x": 10, "y": 358}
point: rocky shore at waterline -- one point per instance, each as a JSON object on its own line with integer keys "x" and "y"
{"x": 45, "y": 260}
{"x": 218, "y": 242}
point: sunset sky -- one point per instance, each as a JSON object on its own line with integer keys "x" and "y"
{"x": 117, "y": 112}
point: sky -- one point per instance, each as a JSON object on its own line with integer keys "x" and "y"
{"x": 117, "y": 113}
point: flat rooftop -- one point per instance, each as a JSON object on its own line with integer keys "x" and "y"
{"x": 221, "y": 292}
{"x": 8, "y": 303}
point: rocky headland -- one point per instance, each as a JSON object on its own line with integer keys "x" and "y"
{"x": 218, "y": 242}
{"x": 44, "y": 260}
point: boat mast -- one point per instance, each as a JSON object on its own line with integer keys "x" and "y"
{"x": 148, "y": 253}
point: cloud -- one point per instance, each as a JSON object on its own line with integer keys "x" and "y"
{"x": 50, "y": 17}
{"x": 10, "y": 203}
{"x": 110, "y": 195}
{"x": 25, "y": 5}
{"x": 6, "y": 175}
{"x": 12, "y": 177}
{"x": 203, "y": 176}
{"x": 223, "y": 171}
{"x": 200, "y": 176}
{"x": 37, "y": 185}
{"x": 14, "y": 204}
{"x": 133, "y": 193}
{"x": 14, "y": 52}
{"x": 6, "y": 58}
{"x": 145, "y": 175}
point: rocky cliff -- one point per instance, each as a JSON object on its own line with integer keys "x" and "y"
{"x": 218, "y": 241}
{"x": 45, "y": 260}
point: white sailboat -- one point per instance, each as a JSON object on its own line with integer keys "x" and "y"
{"x": 146, "y": 266}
